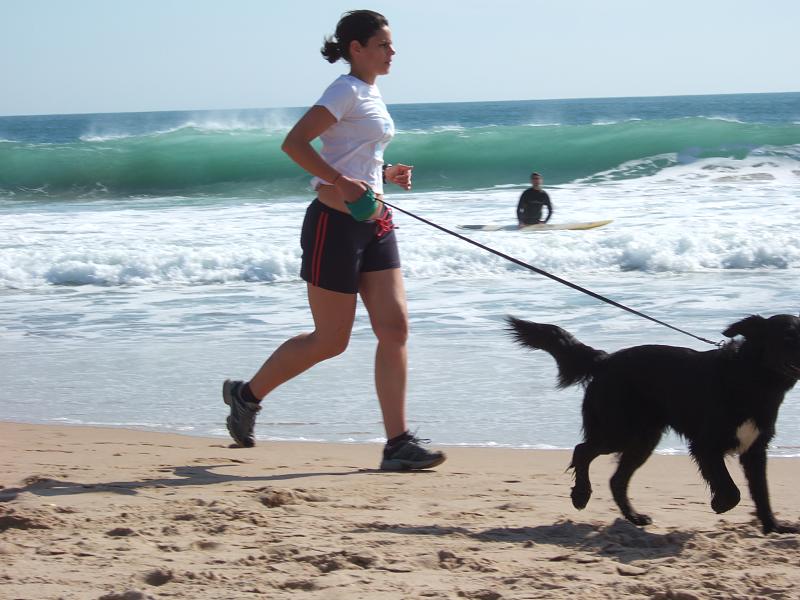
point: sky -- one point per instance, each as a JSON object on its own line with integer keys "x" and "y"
{"x": 86, "y": 56}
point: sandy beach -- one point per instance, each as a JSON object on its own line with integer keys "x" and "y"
{"x": 126, "y": 515}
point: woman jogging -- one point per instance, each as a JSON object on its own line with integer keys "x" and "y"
{"x": 348, "y": 241}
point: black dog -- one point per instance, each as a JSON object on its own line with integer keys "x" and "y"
{"x": 722, "y": 401}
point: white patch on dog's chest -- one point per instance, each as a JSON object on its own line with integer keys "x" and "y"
{"x": 746, "y": 433}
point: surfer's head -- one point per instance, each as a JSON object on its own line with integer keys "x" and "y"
{"x": 536, "y": 180}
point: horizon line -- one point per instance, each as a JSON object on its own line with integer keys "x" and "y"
{"x": 123, "y": 112}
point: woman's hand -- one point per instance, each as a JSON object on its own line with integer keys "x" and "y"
{"x": 399, "y": 174}
{"x": 350, "y": 190}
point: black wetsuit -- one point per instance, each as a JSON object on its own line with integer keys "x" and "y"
{"x": 529, "y": 209}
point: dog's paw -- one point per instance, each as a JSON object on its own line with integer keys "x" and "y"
{"x": 723, "y": 502}
{"x": 580, "y": 497}
{"x": 775, "y": 527}
{"x": 639, "y": 519}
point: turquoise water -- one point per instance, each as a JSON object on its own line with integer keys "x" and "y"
{"x": 146, "y": 257}
{"x": 454, "y": 146}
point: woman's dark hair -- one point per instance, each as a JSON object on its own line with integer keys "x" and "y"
{"x": 354, "y": 25}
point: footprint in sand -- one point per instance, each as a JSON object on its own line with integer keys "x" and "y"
{"x": 128, "y": 595}
{"x": 159, "y": 577}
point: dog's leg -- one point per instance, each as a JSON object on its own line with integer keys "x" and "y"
{"x": 754, "y": 463}
{"x": 582, "y": 457}
{"x": 630, "y": 459}
{"x": 724, "y": 493}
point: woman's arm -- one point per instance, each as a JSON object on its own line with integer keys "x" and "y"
{"x": 298, "y": 146}
{"x": 298, "y": 142}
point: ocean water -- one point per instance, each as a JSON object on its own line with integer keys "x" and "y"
{"x": 146, "y": 257}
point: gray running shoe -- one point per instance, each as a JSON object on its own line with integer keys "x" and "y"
{"x": 243, "y": 414}
{"x": 412, "y": 456}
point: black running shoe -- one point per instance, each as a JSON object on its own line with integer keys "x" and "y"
{"x": 410, "y": 455}
{"x": 243, "y": 414}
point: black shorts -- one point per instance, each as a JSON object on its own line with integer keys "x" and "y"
{"x": 337, "y": 248}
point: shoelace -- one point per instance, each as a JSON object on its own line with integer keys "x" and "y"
{"x": 384, "y": 223}
{"x": 413, "y": 440}
{"x": 416, "y": 444}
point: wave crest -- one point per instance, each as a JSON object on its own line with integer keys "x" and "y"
{"x": 233, "y": 157}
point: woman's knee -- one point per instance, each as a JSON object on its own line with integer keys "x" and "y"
{"x": 395, "y": 332}
{"x": 326, "y": 345}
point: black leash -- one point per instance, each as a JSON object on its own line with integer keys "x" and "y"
{"x": 550, "y": 275}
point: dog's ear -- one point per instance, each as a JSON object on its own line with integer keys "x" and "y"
{"x": 749, "y": 327}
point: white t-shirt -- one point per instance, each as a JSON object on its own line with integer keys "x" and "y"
{"x": 354, "y": 144}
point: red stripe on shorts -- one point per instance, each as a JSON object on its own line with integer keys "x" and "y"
{"x": 319, "y": 242}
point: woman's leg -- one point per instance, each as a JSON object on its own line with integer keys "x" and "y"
{"x": 333, "y": 314}
{"x": 384, "y": 296}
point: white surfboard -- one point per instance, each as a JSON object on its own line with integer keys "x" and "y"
{"x": 538, "y": 226}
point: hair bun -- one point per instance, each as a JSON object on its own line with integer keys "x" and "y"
{"x": 331, "y": 50}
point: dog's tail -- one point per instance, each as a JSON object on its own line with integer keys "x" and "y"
{"x": 575, "y": 360}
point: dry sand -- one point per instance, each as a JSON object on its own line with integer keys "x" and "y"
{"x": 95, "y": 513}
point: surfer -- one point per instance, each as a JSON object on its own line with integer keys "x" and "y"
{"x": 348, "y": 241}
{"x": 529, "y": 209}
